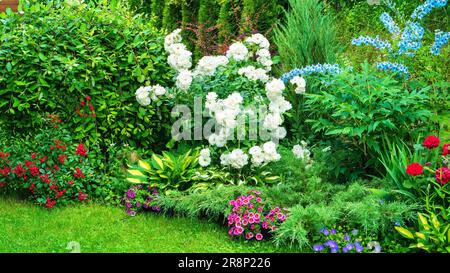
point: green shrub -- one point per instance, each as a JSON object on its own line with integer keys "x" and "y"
{"x": 354, "y": 207}
{"x": 51, "y": 58}
{"x": 307, "y": 37}
{"x": 359, "y": 108}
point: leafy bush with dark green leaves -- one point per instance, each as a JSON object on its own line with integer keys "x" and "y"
{"x": 359, "y": 108}
{"x": 51, "y": 58}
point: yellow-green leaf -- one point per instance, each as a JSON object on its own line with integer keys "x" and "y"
{"x": 424, "y": 221}
{"x": 404, "y": 232}
{"x": 136, "y": 172}
{"x": 420, "y": 235}
{"x": 144, "y": 165}
{"x": 435, "y": 222}
{"x": 134, "y": 180}
{"x": 158, "y": 161}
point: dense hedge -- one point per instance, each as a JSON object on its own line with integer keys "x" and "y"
{"x": 51, "y": 58}
{"x": 230, "y": 17}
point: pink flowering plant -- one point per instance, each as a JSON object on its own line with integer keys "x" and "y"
{"x": 250, "y": 218}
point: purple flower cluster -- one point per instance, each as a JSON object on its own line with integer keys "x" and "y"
{"x": 421, "y": 11}
{"x": 440, "y": 39}
{"x": 141, "y": 198}
{"x": 335, "y": 242}
{"x": 375, "y": 42}
{"x": 248, "y": 218}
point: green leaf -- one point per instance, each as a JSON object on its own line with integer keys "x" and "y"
{"x": 404, "y": 232}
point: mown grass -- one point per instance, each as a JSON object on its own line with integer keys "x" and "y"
{"x": 24, "y": 227}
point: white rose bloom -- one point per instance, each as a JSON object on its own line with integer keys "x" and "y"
{"x": 184, "y": 80}
{"x": 237, "y": 159}
{"x": 272, "y": 121}
{"x": 224, "y": 159}
{"x": 255, "y": 150}
{"x": 175, "y": 48}
{"x": 238, "y": 52}
{"x": 221, "y": 141}
{"x": 258, "y": 39}
{"x": 181, "y": 60}
{"x": 300, "y": 84}
{"x": 301, "y": 152}
{"x": 280, "y": 105}
{"x": 280, "y": 133}
{"x": 208, "y": 65}
{"x": 263, "y": 54}
{"x": 269, "y": 147}
{"x": 275, "y": 86}
{"x": 159, "y": 90}
{"x": 172, "y": 38}
{"x": 205, "y": 157}
{"x": 142, "y": 95}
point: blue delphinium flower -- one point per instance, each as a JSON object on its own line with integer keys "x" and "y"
{"x": 346, "y": 237}
{"x": 424, "y": 9}
{"x": 312, "y": 69}
{"x": 389, "y": 23}
{"x": 411, "y": 38}
{"x": 394, "y": 67}
{"x": 440, "y": 39}
{"x": 333, "y": 231}
{"x": 318, "y": 248}
{"x": 375, "y": 42}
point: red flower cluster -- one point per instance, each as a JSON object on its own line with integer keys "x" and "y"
{"x": 50, "y": 203}
{"x": 90, "y": 108}
{"x": 443, "y": 175}
{"x": 431, "y": 142}
{"x": 81, "y": 196}
{"x": 44, "y": 173}
{"x": 54, "y": 120}
{"x": 4, "y": 156}
{"x": 81, "y": 150}
{"x": 414, "y": 169}
{"x": 446, "y": 149}
{"x": 78, "y": 173}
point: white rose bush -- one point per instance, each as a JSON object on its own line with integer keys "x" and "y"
{"x": 242, "y": 104}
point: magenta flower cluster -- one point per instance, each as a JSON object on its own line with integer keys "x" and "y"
{"x": 249, "y": 218}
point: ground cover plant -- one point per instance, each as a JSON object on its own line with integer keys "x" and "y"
{"x": 225, "y": 126}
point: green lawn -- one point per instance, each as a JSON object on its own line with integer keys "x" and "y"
{"x": 24, "y": 227}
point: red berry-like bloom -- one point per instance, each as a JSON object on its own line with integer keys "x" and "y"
{"x": 431, "y": 142}
{"x": 81, "y": 196}
{"x": 443, "y": 175}
{"x": 414, "y": 169}
{"x": 81, "y": 150}
{"x": 446, "y": 149}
